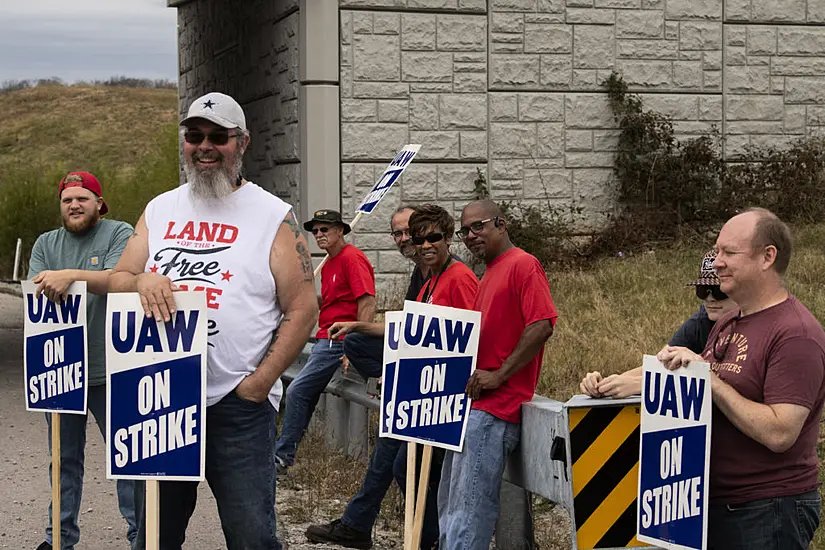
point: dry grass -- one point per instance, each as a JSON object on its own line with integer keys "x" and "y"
{"x": 610, "y": 314}
{"x": 83, "y": 127}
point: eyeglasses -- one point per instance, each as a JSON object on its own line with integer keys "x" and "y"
{"x": 716, "y": 353}
{"x": 702, "y": 292}
{"x": 316, "y": 230}
{"x": 218, "y": 137}
{"x": 475, "y": 227}
{"x": 432, "y": 238}
{"x": 399, "y": 233}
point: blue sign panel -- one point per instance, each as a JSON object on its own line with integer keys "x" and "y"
{"x": 430, "y": 400}
{"x": 55, "y": 351}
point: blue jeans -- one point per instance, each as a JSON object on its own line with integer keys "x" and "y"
{"x": 781, "y": 523}
{"x": 389, "y": 457}
{"x": 303, "y": 393}
{"x": 72, "y": 459}
{"x": 468, "y": 498}
{"x": 240, "y": 470}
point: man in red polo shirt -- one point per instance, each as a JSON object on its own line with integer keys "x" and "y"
{"x": 517, "y": 318}
{"x": 347, "y": 294}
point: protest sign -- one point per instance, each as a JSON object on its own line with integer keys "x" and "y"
{"x": 55, "y": 354}
{"x": 156, "y": 392}
{"x": 436, "y": 355}
{"x": 392, "y": 329}
{"x": 674, "y": 456}
{"x": 388, "y": 178}
{"x": 380, "y": 188}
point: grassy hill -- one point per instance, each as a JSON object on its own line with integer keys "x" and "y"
{"x": 83, "y": 127}
{"x": 127, "y": 137}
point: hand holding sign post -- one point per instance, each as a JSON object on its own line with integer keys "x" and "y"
{"x": 430, "y": 353}
{"x": 55, "y": 363}
{"x": 674, "y": 460}
{"x": 156, "y": 395}
{"x": 381, "y": 187}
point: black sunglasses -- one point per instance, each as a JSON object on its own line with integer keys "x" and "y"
{"x": 218, "y": 137}
{"x": 475, "y": 227}
{"x": 431, "y": 238}
{"x": 316, "y": 230}
{"x": 702, "y": 292}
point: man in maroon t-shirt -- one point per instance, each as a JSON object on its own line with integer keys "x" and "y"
{"x": 517, "y": 318}
{"x": 347, "y": 294}
{"x": 768, "y": 385}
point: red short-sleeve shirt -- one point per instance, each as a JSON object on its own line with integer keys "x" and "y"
{"x": 345, "y": 277}
{"x": 456, "y": 287}
{"x": 513, "y": 294}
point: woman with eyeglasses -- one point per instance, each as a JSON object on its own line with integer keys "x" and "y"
{"x": 693, "y": 334}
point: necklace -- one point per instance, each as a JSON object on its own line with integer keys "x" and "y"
{"x": 428, "y": 290}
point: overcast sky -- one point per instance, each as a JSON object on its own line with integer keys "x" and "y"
{"x": 87, "y": 39}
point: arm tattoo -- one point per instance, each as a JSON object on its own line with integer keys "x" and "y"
{"x": 306, "y": 263}
{"x": 292, "y": 222}
{"x": 134, "y": 233}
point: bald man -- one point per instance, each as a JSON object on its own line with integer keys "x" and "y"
{"x": 517, "y": 318}
{"x": 768, "y": 384}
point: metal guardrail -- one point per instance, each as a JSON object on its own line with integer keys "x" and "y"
{"x": 527, "y": 471}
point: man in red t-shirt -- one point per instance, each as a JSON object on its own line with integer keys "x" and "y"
{"x": 517, "y": 318}
{"x": 347, "y": 294}
{"x": 768, "y": 385}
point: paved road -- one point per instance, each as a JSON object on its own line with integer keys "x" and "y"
{"x": 24, "y": 467}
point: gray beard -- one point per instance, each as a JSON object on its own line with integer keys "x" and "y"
{"x": 212, "y": 186}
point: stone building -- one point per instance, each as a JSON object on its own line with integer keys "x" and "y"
{"x": 332, "y": 88}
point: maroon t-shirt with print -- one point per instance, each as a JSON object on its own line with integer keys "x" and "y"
{"x": 774, "y": 356}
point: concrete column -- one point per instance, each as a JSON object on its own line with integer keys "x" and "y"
{"x": 320, "y": 179}
{"x": 358, "y": 436}
{"x": 514, "y": 528}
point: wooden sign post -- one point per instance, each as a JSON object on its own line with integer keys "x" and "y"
{"x": 56, "y": 526}
{"x": 152, "y": 515}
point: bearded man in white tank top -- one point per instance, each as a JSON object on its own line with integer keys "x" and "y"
{"x": 225, "y": 236}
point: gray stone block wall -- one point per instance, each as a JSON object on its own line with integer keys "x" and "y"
{"x": 508, "y": 87}
{"x": 249, "y": 50}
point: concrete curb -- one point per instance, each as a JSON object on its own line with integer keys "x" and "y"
{"x": 12, "y": 288}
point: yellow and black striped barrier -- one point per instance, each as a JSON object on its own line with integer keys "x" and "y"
{"x": 604, "y": 458}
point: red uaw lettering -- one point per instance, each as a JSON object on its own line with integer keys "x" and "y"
{"x": 211, "y": 294}
{"x": 169, "y": 234}
{"x": 188, "y": 233}
{"x": 206, "y": 232}
{"x": 233, "y": 234}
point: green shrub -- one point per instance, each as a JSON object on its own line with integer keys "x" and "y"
{"x": 28, "y": 195}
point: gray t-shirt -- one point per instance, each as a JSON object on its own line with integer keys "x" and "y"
{"x": 97, "y": 250}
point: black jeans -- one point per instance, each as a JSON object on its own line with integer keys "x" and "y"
{"x": 389, "y": 458}
{"x": 781, "y": 523}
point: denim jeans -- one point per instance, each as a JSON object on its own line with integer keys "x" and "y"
{"x": 240, "y": 470}
{"x": 72, "y": 459}
{"x": 468, "y": 498}
{"x": 303, "y": 393}
{"x": 389, "y": 457}
{"x": 781, "y": 523}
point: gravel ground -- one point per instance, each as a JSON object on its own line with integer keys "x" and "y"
{"x": 24, "y": 466}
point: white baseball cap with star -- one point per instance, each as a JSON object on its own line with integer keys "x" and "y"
{"x": 218, "y": 108}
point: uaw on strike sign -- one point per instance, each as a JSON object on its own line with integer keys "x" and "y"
{"x": 675, "y": 456}
{"x": 156, "y": 392}
{"x": 55, "y": 353}
{"x": 430, "y": 353}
